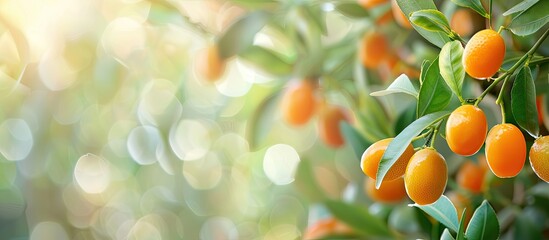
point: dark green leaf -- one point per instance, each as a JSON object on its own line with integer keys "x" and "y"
{"x": 525, "y": 228}
{"x": 443, "y": 211}
{"x": 266, "y": 60}
{"x": 352, "y": 10}
{"x": 402, "y": 140}
{"x": 434, "y": 94}
{"x": 306, "y": 182}
{"x": 473, "y": 4}
{"x": 520, "y": 7}
{"x": 352, "y": 136}
{"x": 405, "y": 118}
{"x": 241, "y": 34}
{"x": 531, "y": 20}
{"x": 451, "y": 68}
{"x": 431, "y": 20}
{"x": 461, "y": 229}
{"x": 410, "y": 6}
{"x": 484, "y": 224}
{"x": 523, "y": 102}
{"x": 446, "y": 235}
{"x": 402, "y": 84}
{"x": 357, "y": 217}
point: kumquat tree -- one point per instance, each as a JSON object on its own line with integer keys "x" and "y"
{"x": 274, "y": 119}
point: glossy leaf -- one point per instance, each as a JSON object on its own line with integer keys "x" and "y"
{"x": 424, "y": 67}
{"x": 434, "y": 94}
{"x": 266, "y": 60}
{"x": 358, "y": 217}
{"x": 402, "y": 84}
{"x": 352, "y": 136}
{"x": 410, "y": 6}
{"x": 431, "y": 20}
{"x": 241, "y": 34}
{"x": 531, "y": 20}
{"x": 523, "y": 102}
{"x": 402, "y": 140}
{"x": 461, "y": 229}
{"x": 473, "y": 4}
{"x": 451, "y": 68}
{"x": 484, "y": 224}
{"x": 443, "y": 211}
{"x": 446, "y": 235}
{"x": 520, "y": 7}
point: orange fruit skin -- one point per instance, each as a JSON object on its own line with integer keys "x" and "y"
{"x": 470, "y": 176}
{"x": 465, "y": 22}
{"x": 371, "y": 3}
{"x": 373, "y": 50}
{"x": 326, "y": 227}
{"x": 385, "y": 18}
{"x": 389, "y": 191}
{"x": 426, "y": 176}
{"x": 371, "y": 157}
{"x": 539, "y": 158}
{"x": 298, "y": 103}
{"x": 209, "y": 64}
{"x": 484, "y": 54}
{"x": 505, "y": 150}
{"x": 328, "y": 125}
{"x": 399, "y": 16}
{"x": 466, "y": 130}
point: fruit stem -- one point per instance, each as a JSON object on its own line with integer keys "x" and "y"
{"x": 518, "y": 64}
{"x": 490, "y": 15}
{"x": 435, "y": 133}
{"x": 499, "y": 100}
{"x": 422, "y": 135}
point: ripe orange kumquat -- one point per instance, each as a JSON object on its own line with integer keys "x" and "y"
{"x": 326, "y": 227}
{"x": 328, "y": 125}
{"x": 389, "y": 191}
{"x": 466, "y": 130}
{"x": 371, "y": 157}
{"x": 399, "y": 16}
{"x": 470, "y": 176}
{"x": 373, "y": 49}
{"x": 371, "y": 3}
{"x": 539, "y": 158}
{"x": 505, "y": 150}
{"x": 298, "y": 103}
{"x": 426, "y": 176}
{"x": 484, "y": 54}
{"x": 209, "y": 64}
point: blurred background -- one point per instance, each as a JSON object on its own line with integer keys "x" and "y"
{"x": 109, "y": 128}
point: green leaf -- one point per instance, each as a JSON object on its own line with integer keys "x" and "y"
{"x": 443, "y": 211}
{"x": 434, "y": 94}
{"x": 446, "y": 235}
{"x": 424, "y": 66}
{"x": 451, "y": 68}
{"x": 520, "y": 7}
{"x": 523, "y": 102}
{"x": 431, "y": 20}
{"x": 402, "y": 140}
{"x": 240, "y": 35}
{"x": 410, "y": 6}
{"x": 306, "y": 182}
{"x": 358, "y": 217}
{"x": 473, "y": 4}
{"x": 525, "y": 228}
{"x": 461, "y": 229}
{"x": 352, "y": 10}
{"x": 402, "y": 84}
{"x": 405, "y": 118}
{"x": 352, "y": 136}
{"x": 484, "y": 224}
{"x": 266, "y": 60}
{"x": 259, "y": 125}
{"x": 531, "y": 20}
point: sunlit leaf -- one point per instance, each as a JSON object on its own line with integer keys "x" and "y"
{"x": 402, "y": 84}
{"x": 402, "y": 140}
{"x": 531, "y": 20}
{"x": 523, "y": 102}
{"x": 431, "y": 20}
{"x": 410, "y": 6}
{"x": 451, "y": 68}
{"x": 446, "y": 235}
{"x": 484, "y": 224}
{"x": 520, "y": 7}
{"x": 351, "y": 9}
{"x": 266, "y": 60}
{"x": 241, "y": 34}
{"x": 473, "y": 4}
{"x": 443, "y": 211}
